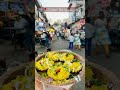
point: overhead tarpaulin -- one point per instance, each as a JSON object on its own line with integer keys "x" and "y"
{"x": 79, "y": 24}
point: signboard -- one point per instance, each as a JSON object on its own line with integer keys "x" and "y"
{"x": 77, "y": 1}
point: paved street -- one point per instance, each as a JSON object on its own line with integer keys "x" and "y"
{"x": 60, "y": 45}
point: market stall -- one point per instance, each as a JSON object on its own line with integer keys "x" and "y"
{"x": 9, "y": 11}
{"x": 78, "y": 24}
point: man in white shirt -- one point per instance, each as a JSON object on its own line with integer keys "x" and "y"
{"x": 89, "y": 30}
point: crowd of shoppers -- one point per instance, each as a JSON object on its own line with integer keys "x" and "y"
{"x": 75, "y": 40}
{"x": 98, "y": 34}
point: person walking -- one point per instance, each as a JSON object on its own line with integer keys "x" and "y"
{"x": 82, "y": 38}
{"x": 71, "y": 40}
{"x": 77, "y": 41}
{"x": 101, "y": 34}
{"x": 58, "y": 34}
{"x": 47, "y": 40}
{"x": 89, "y": 31}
